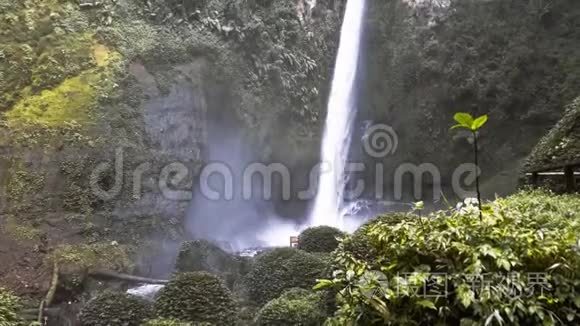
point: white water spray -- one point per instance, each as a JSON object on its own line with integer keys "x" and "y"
{"x": 147, "y": 291}
{"x": 338, "y": 129}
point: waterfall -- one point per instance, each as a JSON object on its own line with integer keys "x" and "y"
{"x": 338, "y": 128}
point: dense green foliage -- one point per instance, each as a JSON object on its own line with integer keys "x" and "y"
{"x": 358, "y": 244}
{"x": 115, "y": 309}
{"x": 518, "y": 265}
{"x": 201, "y": 255}
{"x": 272, "y": 40}
{"x": 512, "y": 59}
{"x": 293, "y": 307}
{"x": 9, "y": 305}
{"x": 281, "y": 269}
{"x": 196, "y": 297}
{"x": 166, "y": 322}
{"x": 319, "y": 239}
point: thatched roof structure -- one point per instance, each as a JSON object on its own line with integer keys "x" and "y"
{"x": 560, "y": 148}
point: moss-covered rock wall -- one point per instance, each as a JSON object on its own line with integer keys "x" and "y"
{"x": 98, "y": 98}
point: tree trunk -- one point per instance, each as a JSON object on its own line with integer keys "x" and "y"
{"x": 100, "y": 274}
{"x": 570, "y": 179}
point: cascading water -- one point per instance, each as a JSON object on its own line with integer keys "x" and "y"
{"x": 338, "y": 129}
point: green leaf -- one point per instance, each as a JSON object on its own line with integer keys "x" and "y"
{"x": 556, "y": 265}
{"x": 427, "y": 304}
{"x": 323, "y": 284}
{"x": 466, "y": 295}
{"x": 460, "y": 126}
{"x": 464, "y": 119}
{"x": 503, "y": 263}
{"x": 419, "y": 205}
{"x": 350, "y": 275}
{"x": 577, "y": 301}
{"x": 467, "y": 322}
{"x": 509, "y": 313}
{"x": 487, "y": 209}
{"x": 381, "y": 307}
{"x": 479, "y": 122}
{"x": 496, "y": 315}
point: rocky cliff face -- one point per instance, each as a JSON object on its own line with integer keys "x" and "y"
{"x": 100, "y": 100}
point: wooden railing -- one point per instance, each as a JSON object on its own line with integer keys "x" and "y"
{"x": 565, "y": 170}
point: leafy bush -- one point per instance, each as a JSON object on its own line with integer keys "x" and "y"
{"x": 428, "y": 56}
{"x": 166, "y": 322}
{"x": 114, "y": 308}
{"x": 359, "y": 246}
{"x": 9, "y": 305}
{"x": 201, "y": 255}
{"x": 319, "y": 239}
{"x": 294, "y": 307}
{"x": 519, "y": 265}
{"x": 196, "y": 297}
{"x": 281, "y": 269}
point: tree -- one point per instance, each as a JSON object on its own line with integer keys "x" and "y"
{"x": 466, "y": 121}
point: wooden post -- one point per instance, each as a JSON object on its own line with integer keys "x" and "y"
{"x": 293, "y": 242}
{"x": 570, "y": 181}
{"x": 535, "y": 179}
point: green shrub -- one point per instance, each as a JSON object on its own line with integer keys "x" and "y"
{"x": 201, "y": 255}
{"x": 196, "y": 297}
{"x": 319, "y": 239}
{"x": 358, "y": 245}
{"x": 519, "y": 264}
{"x": 294, "y": 307}
{"x": 166, "y": 322}
{"x": 9, "y": 306}
{"x": 247, "y": 314}
{"x": 115, "y": 309}
{"x": 281, "y": 269}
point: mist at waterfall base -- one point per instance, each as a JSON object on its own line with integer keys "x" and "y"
{"x": 237, "y": 222}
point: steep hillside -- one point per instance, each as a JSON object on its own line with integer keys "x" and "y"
{"x": 515, "y": 60}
